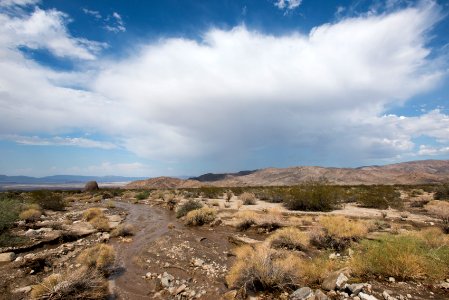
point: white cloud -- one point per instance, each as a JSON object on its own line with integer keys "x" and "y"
{"x": 59, "y": 141}
{"x": 116, "y": 23}
{"x": 430, "y": 150}
{"x": 45, "y": 29}
{"x": 9, "y": 3}
{"x": 287, "y": 4}
{"x": 241, "y": 94}
{"x": 93, "y": 13}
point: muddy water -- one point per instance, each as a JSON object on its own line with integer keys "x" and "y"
{"x": 150, "y": 223}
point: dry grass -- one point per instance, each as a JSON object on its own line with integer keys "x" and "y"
{"x": 439, "y": 209}
{"x": 30, "y": 215}
{"x": 271, "y": 220}
{"x": 290, "y": 238}
{"x": 248, "y": 198}
{"x": 214, "y": 202}
{"x": 246, "y": 219}
{"x": 110, "y": 204}
{"x": 123, "y": 230}
{"x": 100, "y": 257}
{"x": 78, "y": 284}
{"x": 338, "y": 232}
{"x": 101, "y": 223}
{"x": 92, "y": 213}
{"x": 201, "y": 216}
{"x": 263, "y": 268}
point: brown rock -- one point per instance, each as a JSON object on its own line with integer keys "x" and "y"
{"x": 91, "y": 186}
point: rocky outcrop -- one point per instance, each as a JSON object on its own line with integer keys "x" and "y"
{"x": 91, "y": 186}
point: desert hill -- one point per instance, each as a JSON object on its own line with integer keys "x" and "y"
{"x": 414, "y": 172}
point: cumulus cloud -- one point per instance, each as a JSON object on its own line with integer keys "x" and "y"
{"x": 116, "y": 23}
{"x": 94, "y": 13}
{"x": 9, "y": 3}
{"x": 242, "y": 94}
{"x": 431, "y": 150}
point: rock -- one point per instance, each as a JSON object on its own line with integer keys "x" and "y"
{"x": 114, "y": 221}
{"x": 443, "y": 285}
{"x": 180, "y": 289}
{"x": 167, "y": 280}
{"x": 391, "y": 279}
{"x": 31, "y": 233}
{"x": 7, "y": 257}
{"x": 216, "y": 222}
{"x": 231, "y": 295}
{"x": 364, "y": 296}
{"x": 22, "y": 290}
{"x": 80, "y": 229}
{"x": 91, "y": 186}
{"x": 335, "y": 280}
{"x": 409, "y": 296}
{"x": 303, "y": 293}
{"x": 104, "y": 237}
{"x": 319, "y": 295}
{"x": 198, "y": 262}
{"x": 241, "y": 240}
{"x": 148, "y": 275}
{"x": 355, "y": 288}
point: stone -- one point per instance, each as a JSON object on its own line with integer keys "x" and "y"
{"x": 242, "y": 240}
{"x": 167, "y": 280}
{"x": 22, "y": 290}
{"x": 231, "y": 295}
{"x": 335, "y": 280}
{"x": 364, "y": 296}
{"x": 303, "y": 293}
{"x": 319, "y": 295}
{"x": 198, "y": 262}
{"x": 180, "y": 289}
{"x": 443, "y": 285}
{"x": 355, "y": 288}
{"x": 391, "y": 279}
{"x": 7, "y": 256}
{"x": 148, "y": 275}
{"x": 91, "y": 186}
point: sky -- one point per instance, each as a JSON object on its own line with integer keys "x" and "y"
{"x": 186, "y": 87}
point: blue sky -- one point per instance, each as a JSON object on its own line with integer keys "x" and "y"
{"x": 149, "y": 88}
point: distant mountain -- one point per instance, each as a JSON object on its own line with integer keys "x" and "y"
{"x": 62, "y": 179}
{"x": 414, "y": 172}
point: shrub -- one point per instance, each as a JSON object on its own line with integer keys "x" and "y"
{"x": 405, "y": 256}
{"x": 100, "y": 257}
{"x": 30, "y": 215}
{"x": 246, "y": 219}
{"x": 92, "y": 213}
{"x": 442, "y": 192}
{"x": 78, "y": 284}
{"x": 229, "y": 195}
{"x": 143, "y": 195}
{"x": 382, "y": 197}
{"x": 9, "y": 213}
{"x": 201, "y": 216}
{"x": 271, "y": 220}
{"x": 48, "y": 200}
{"x": 290, "y": 238}
{"x": 312, "y": 197}
{"x": 123, "y": 230}
{"x": 110, "y": 204}
{"x": 262, "y": 268}
{"x": 338, "y": 232}
{"x": 440, "y": 209}
{"x": 215, "y": 202}
{"x": 188, "y": 206}
{"x": 100, "y": 223}
{"x": 248, "y": 198}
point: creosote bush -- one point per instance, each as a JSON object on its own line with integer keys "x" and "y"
{"x": 442, "y": 192}
{"x": 188, "y": 206}
{"x": 201, "y": 216}
{"x": 313, "y": 197}
{"x": 100, "y": 257}
{"x": 78, "y": 284}
{"x": 378, "y": 196}
{"x": 248, "y": 198}
{"x": 48, "y": 200}
{"x": 143, "y": 195}
{"x": 290, "y": 238}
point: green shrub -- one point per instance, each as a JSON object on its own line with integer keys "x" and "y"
{"x": 143, "y": 195}
{"x": 48, "y": 200}
{"x": 313, "y": 197}
{"x": 380, "y": 196}
{"x": 9, "y": 213}
{"x": 442, "y": 192}
{"x": 187, "y": 206}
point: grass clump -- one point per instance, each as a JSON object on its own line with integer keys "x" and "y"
{"x": 100, "y": 257}
{"x": 289, "y": 238}
{"x": 248, "y": 198}
{"x": 188, "y": 206}
{"x": 30, "y": 215}
{"x": 246, "y": 219}
{"x": 404, "y": 256}
{"x": 78, "y": 284}
{"x": 48, "y": 200}
{"x": 263, "y": 269}
{"x": 92, "y": 213}
{"x": 201, "y": 216}
{"x": 123, "y": 230}
{"x": 96, "y": 218}
{"x": 312, "y": 197}
{"x": 338, "y": 232}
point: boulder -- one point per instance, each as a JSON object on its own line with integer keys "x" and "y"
{"x": 91, "y": 186}
{"x": 319, "y": 295}
{"x": 304, "y": 293}
{"x": 335, "y": 280}
{"x": 7, "y": 257}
